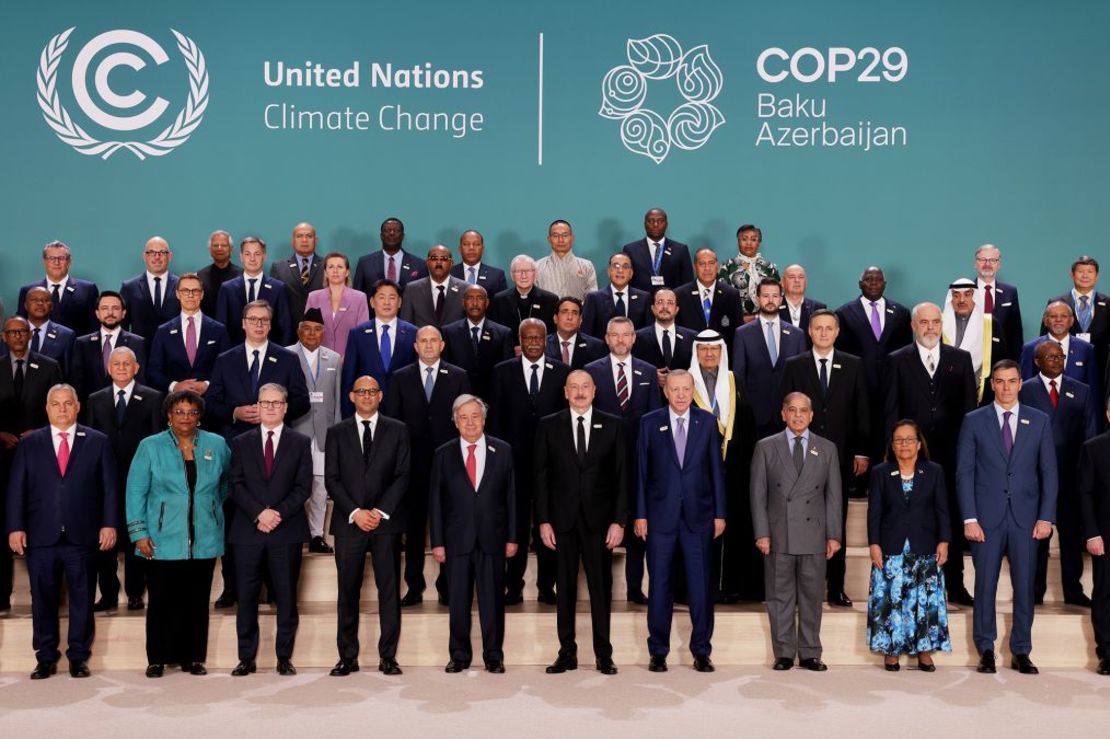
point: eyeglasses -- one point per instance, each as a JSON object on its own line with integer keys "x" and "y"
{"x": 439, "y": 259}
{"x": 190, "y": 291}
{"x": 16, "y": 332}
{"x": 271, "y": 405}
{"x": 157, "y": 252}
{"x": 904, "y": 440}
{"x": 257, "y": 321}
{"x": 988, "y": 260}
{"x": 185, "y": 412}
{"x": 363, "y": 391}
{"x": 620, "y": 267}
{"x": 56, "y": 260}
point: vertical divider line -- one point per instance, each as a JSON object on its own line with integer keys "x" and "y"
{"x": 539, "y": 130}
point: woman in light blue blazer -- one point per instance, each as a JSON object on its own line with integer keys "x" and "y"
{"x": 342, "y": 306}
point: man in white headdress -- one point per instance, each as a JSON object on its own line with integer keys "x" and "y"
{"x": 965, "y": 326}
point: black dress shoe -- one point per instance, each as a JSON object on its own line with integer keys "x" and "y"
{"x": 412, "y": 598}
{"x": 1079, "y": 600}
{"x": 155, "y": 670}
{"x": 244, "y": 668}
{"x": 561, "y": 665}
{"x": 388, "y": 666}
{"x": 5, "y": 606}
{"x": 961, "y": 597}
{"x": 285, "y": 667}
{"x": 840, "y": 600}
{"x": 1023, "y": 664}
{"x": 658, "y": 663}
{"x": 1103, "y": 666}
{"x": 891, "y": 666}
{"x": 195, "y": 668}
{"x": 226, "y": 600}
{"x": 318, "y": 546}
{"x": 606, "y": 667}
{"x": 135, "y": 604}
{"x": 1038, "y": 600}
{"x": 637, "y": 597}
{"x": 702, "y": 663}
{"x": 925, "y": 666}
{"x": 986, "y": 663}
{"x": 514, "y": 598}
{"x": 105, "y": 605}
{"x": 495, "y": 666}
{"x": 456, "y": 666}
{"x": 783, "y": 663}
{"x": 344, "y": 667}
{"x": 44, "y": 670}
{"x": 547, "y": 597}
{"x": 813, "y": 664}
{"x": 79, "y": 668}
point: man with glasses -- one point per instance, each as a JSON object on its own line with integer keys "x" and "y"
{"x": 74, "y": 299}
{"x": 997, "y": 298}
{"x": 618, "y": 299}
{"x": 152, "y": 296}
{"x": 250, "y": 286}
{"x": 525, "y": 299}
{"x": 185, "y": 348}
{"x": 48, "y": 337}
{"x": 434, "y": 300}
{"x": 561, "y": 272}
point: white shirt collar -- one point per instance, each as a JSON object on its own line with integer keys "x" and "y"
{"x": 436, "y": 285}
{"x": 425, "y": 367}
{"x": 1045, "y": 381}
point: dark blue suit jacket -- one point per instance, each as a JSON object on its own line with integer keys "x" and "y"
{"x": 142, "y": 319}
{"x": 586, "y": 349}
{"x": 857, "y": 338}
{"x": 286, "y": 492}
{"x": 1007, "y": 311}
{"x": 491, "y": 278}
{"x": 363, "y": 357}
{"x": 168, "y": 361}
{"x": 495, "y": 345}
{"x": 463, "y": 519}
{"x": 1074, "y": 420}
{"x": 57, "y": 343}
{"x": 598, "y": 308}
{"x": 233, "y": 299}
{"x": 41, "y": 502}
{"x": 675, "y": 267}
{"x": 922, "y": 516}
{"x": 667, "y": 493}
{"x": 231, "y": 386}
{"x": 1082, "y": 364}
{"x": 77, "y": 308}
{"x": 751, "y": 363}
{"x": 86, "y": 369}
{"x": 371, "y": 268}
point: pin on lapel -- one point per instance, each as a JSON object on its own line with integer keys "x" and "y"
{"x": 836, "y": 366}
{"x": 80, "y": 433}
{"x": 211, "y": 342}
{"x": 172, "y": 331}
{"x": 32, "y": 365}
{"x": 664, "y": 428}
{"x": 1070, "y": 395}
{"x": 442, "y": 371}
{"x": 137, "y": 397}
{"x": 208, "y": 455}
{"x": 490, "y": 449}
{"x": 813, "y": 452}
{"x": 894, "y": 473}
{"x": 597, "y": 425}
{"x": 272, "y": 359}
{"x": 637, "y": 372}
{"x": 1024, "y": 421}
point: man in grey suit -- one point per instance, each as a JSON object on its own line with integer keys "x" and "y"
{"x": 435, "y": 300}
{"x": 320, "y": 366}
{"x": 796, "y": 499}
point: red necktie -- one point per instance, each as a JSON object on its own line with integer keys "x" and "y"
{"x": 1052, "y": 394}
{"x": 269, "y": 454}
{"x": 63, "y": 452}
{"x": 988, "y": 299}
{"x": 391, "y": 271}
{"x": 472, "y": 465}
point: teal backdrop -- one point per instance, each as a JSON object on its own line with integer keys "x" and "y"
{"x": 1003, "y": 103}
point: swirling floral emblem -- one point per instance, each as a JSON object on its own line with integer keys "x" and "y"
{"x": 698, "y": 79}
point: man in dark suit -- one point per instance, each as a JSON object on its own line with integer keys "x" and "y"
{"x": 366, "y": 461}
{"x": 835, "y": 384}
{"x": 88, "y": 371}
{"x": 934, "y": 385}
{"x": 219, "y": 271}
{"x": 1006, "y": 480}
{"x": 796, "y": 308}
{"x": 74, "y": 299}
{"x": 476, "y": 343}
{"x": 390, "y": 262}
{"x": 707, "y": 302}
{"x": 662, "y": 344}
{"x": 1094, "y": 499}
{"x": 1079, "y": 356}
{"x": 48, "y": 337}
{"x": 997, "y": 298}
{"x": 151, "y": 298}
{"x": 420, "y": 396}
{"x": 302, "y": 272}
{"x": 472, "y": 270}
{"x": 126, "y": 412}
{"x": 434, "y": 300}
{"x": 522, "y": 391}
{"x": 581, "y": 480}
{"x": 60, "y": 526}
{"x": 680, "y": 507}
{"x": 760, "y": 349}
{"x": 252, "y": 285}
{"x": 1092, "y": 308}
{"x": 185, "y": 348}
{"x": 525, "y": 299}
{"x": 473, "y": 531}
{"x": 568, "y": 344}
{"x": 656, "y": 260}
{"x": 618, "y": 298}
{"x": 270, "y": 481}
{"x": 381, "y": 346}
{"x": 1071, "y": 409}
{"x": 626, "y": 388}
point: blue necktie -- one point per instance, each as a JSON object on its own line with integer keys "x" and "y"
{"x": 386, "y": 348}
{"x": 474, "y": 338}
{"x": 471, "y": 276}
{"x": 772, "y": 348}
{"x": 121, "y": 407}
{"x": 429, "y": 385}
{"x": 1083, "y": 312}
{"x": 256, "y": 369}
{"x": 706, "y": 307}
{"x": 658, "y": 257}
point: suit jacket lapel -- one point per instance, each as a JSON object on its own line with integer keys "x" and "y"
{"x": 786, "y": 461}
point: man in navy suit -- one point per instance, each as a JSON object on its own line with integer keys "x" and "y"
{"x": 1006, "y": 481}
{"x": 185, "y": 348}
{"x": 1079, "y": 355}
{"x": 796, "y": 308}
{"x": 270, "y": 481}
{"x": 390, "y": 262}
{"x": 664, "y": 344}
{"x": 1071, "y": 407}
{"x": 88, "y": 371}
{"x": 476, "y": 343}
{"x": 471, "y": 270}
{"x": 759, "y": 353}
{"x": 680, "y": 507}
{"x": 626, "y": 388}
{"x": 378, "y": 347}
{"x": 253, "y": 285}
{"x": 473, "y": 516}
{"x": 707, "y": 302}
{"x": 1094, "y": 495}
{"x": 568, "y": 344}
{"x": 997, "y": 298}
{"x": 61, "y": 508}
{"x": 74, "y": 299}
{"x": 151, "y": 297}
{"x": 656, "y": 260}
{"x": 48, "y": 337}
{"x": 1092, "y": 308}
{"x": 618, "y": 298}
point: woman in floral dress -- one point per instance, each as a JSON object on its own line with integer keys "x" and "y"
{"x": 748, "y": 268}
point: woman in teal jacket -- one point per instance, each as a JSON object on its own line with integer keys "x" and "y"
{"x": 175, "y": 494}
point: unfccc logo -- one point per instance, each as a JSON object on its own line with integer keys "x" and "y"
{"x": 58, "y": 118}
{"x": 699, "y": 81}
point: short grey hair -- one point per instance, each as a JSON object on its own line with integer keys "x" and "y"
{"x": 59, "y": 388}
{"x": 126, "y": 350}
{"x": 57, "y": 245}
{"x": 619, "y": 321}
{"x": 220, "y": 232}
{"x": 984, "y": 247}
{"x": 522, "y": 258}
{"x": 466, "y": 398}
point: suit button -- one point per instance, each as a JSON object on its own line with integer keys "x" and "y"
{"x": 807, "y": 519}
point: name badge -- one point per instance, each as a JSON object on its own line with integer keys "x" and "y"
{"x": 1024, "y": 421}
{"x": 172, "y": 331}
{"x": 1085, "y": 337}
{"x": 272, "y": 359}
{"x": 70, "y": 288}
{"x": 536, "y": 307}
{"x": 1006, "y": 305}
{"x": 836, "y": 366}
{"x": 637, "y": 372}
{"x": 664, "y": 428}
{"x": 211, "y": 342}
{"x": 329, "y": 369}
{"x": 268, "y": 287}
{"x": 637, "y": 297}
{"x": 597, "y": 425}
{"x": 208, "y": 455}
{"x": 342, "y": 309}
{"x": 813, "y": 452}
{"x": 1079, "y": 364}
{"x": 316, "y": 396}
{"x": 1070, "y": 395}
{"x": 657, "y": 280}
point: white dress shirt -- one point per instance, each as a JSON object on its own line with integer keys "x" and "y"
{"x": 627, "y": 361}
{"x": 774, "y": 323}
{"x": 54, "y": 435}
{"x": 927, "y": 354}
{"x": 257, "y": 285}
{"x": 277, "y": 437}
{"x": 881, "y": 305}
{"x": 165, "y": 276}
{"x": 127, "y": 390}
{"x": 574, "y": 416}
{"x": 373, "y": 434}
{"x": 379, "y": 325}
{"x": 526, "y": 364}
{"x": 261, "y": 354}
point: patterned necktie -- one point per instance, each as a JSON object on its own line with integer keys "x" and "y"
{"x": 157, "y": 294}
{"x": 306, "y": 266}
{"x": 63, "y": 452}
{"x": 824, "y": 376}
{"x": 581, "y": 438}
{"x": 566, "y": 353}
{"x": 772, "y": 347}
{"x": 474, "y": 338}
{"x": 932, "y": 366}
{"x": 622, "y": 386}
{"x": 106, "y": 352}
{"x": 121, "y": 407}
{"x": 386, "y": 348}
{"x": 1053, "y": 395}
{"x": 472, "y": 275}
{"x": 706, "y": 307}
{"x": 252, "y": 295}
{"x": 429, "y": 384}
{"x": 191, "y": 341}
{"x": 534, "y": 382}
{"x": 1007, "y": 433}
{"x": 619, "y": 307}
{"x": 472, "y": 466}
{"x": 441, "y": 298}
{"x": 680, "y": 440}
{"x": 988, "y": 299}
{"x": 668, "y": 350}
{"x": 391, "y": 270}
{"x": 1084, "y": 312}
{"x": 799, "y": 454}
{"x": 269, "y": 454}
{"x": 367, "y": 442}
{"x": 255, "y": 370}
{"x": 876, "y": 323}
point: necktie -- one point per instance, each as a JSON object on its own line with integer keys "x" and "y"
{"x": 1053, "y": 395}
{"x": 668, "y": 350}
{"x": 566, "y": 353}
{"x": 191, "y": 341}
{"x": 1084, "y": 312}
{"x": 799, "y": 454}
{"x": 1007, "y": 434}
{"x": 656, "y": 257}
{"x": 36, "y": 341}
{"x": 622, "y": 386}
{"x": 824, "y": 376}
{"x": 715, "y": 407}
{"x": 121, "y": 407}
{"x": 876, "y": 324}
{"x": 474, "y": 338}
{"x": 440, "y": 300}
{"x": 429, "y": 384}
{"x": 391, "y": 270}
{"x": 772, "y": 348}
{"x": 269, "y": 454}
{"x": 619, "y": 306}
{"x": 367, "y": 441}
{"x": 534, "y": 382}
{"x": 386, "y": 348}
{"x": 107, "y": 351}
{"x": 581, "y": 445}
{"x": 63, "y": 452}
{"x": 17, "y": 380}
{"x": 255, "y": 370}
{"x": 961, "y": 330}
{"x": 472, "y": 275}
{"x": 932, "y": 366}
{"x": 680, "y": 440}
{"x": 988, "y": 299}
{"x": 706, "y": 307}
{"x": 472, "y": 466}
{"x": 251, "y": 294}
{"x": 306, "y": 266}
{"x": 157, "y": 294}
{"x": 56, "y": 293}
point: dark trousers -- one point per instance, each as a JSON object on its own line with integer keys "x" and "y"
{"x": 737, "y": 564}
{"x": 464, "y": 571}
{"x": 1072, "y": 546}
{"x": 582, "y": 544}
{"x": 134, "y": 572}
{"x": 350, "y": 565}
{"x": 545, "y": 558}
{"x": 954, "y": 566}
{"x": 1100, "y": 608}
{"x": 6, "y": 573}
{"x": 284, "y": 564}
{"x": 46, "y": 566}
{"x": 416, "y": 530}
{"x": 1016, "y": 543}
{"x": 177, "y": 614}
{"x": 227, "y": 561}
{"x": 835, "y": 567}
{"x": 696, "y": 548}
{"x": 634, "y": 552}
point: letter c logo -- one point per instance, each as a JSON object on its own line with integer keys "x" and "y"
{"x": 109, "y": 63}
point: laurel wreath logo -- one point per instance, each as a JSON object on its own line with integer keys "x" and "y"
{"x": 699, "y": 81}
{"x": 172, "y": 137}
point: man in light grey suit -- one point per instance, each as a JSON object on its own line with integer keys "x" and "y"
{"x": 322, "y": 375}
{"x": 796, "y": 499}
{"x": 435, "y": 300}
